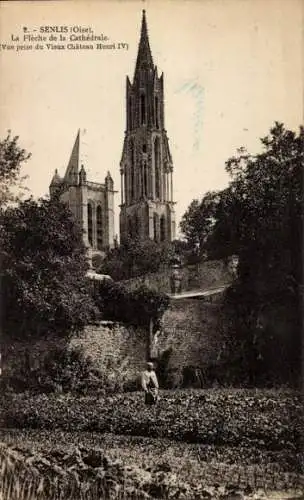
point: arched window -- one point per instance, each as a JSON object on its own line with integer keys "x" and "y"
{"x": 130, "y": 113}
{"x": 156, "y": 111}
{"x": 155, "y": 226}
{"x": 142, "y": 109}
{"x": 157, "y": 167}
{"x": 99, "y": 227}
{"x": 132, "y": 170}
{"x": 126, "y": 197}
{"x": 136, "y": 226}
{"x": 162, "y": 228}
{"x": 145, "y": 179}
{"x": 130, "y": 227}
{"x": 90, "y": 224}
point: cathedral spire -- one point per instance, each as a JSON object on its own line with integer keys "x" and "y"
{"x": 72, "y": 171}
{"x": 144, "y": 57}
{"x": 147, "y": 207}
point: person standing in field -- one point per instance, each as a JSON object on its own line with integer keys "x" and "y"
{"x": 149, "y": 384}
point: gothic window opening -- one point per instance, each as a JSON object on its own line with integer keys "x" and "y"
{"x": 130, "y": 113}
{"x": 142, "y": 109}
{"x": 90, "y": 224}
{"x": 144, "y": 148}
{"x": 126, "y": 186}
{"x": 145, "y": 179}
{"x": 157, "y": 167}
{"x": 156, "y": 112}
{"x": 132, "y": 152}
{"x": 155, "y": 227}
{"x": 136, "y": 226}
{"x": 99, "y": 227}
{"x": 130, "y": 227}
{"x": 162, "y": 228}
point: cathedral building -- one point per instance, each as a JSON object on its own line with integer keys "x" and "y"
{"x": 146, "y": 168}
{"x": 91, "y": 203}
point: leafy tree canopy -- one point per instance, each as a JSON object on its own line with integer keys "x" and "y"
{"x": 136, "y": 258}
{"x": 259, "y": 217}
{"x": 136, "y": 307}
{"x": 12, "y": 157}
{"x": 43, "y": 270}
{"x": 198, "y": 221}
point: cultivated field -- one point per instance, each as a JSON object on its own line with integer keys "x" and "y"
{"x": 228, "y": 444}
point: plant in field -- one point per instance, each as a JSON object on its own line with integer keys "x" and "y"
{"x": 266, "y": 420}
{"x": 84, "y": 472}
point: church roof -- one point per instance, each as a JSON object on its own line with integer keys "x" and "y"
{"x": 144, "y": 55}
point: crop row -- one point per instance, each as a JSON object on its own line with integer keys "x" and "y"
{"x": 267, "y": 420}
{"x": 84, "y": 473}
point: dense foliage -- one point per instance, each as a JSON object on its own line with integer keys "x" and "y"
{"x": 12, "y": 158}
{"x": 219, "y": 444}
{"x": 66, "y": 369}
{"x": 198, "y": 221}
{"x": 266, "y": 419}
{"x": 43, "y": 270}
{"x": 135, "y": 307}
{"x": 259, "y": 218}
{"x": 135, "y": 258}
{"x": 85, "y": 470}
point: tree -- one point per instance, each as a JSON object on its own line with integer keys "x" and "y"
{"x": 43, "y": 274}
{"x": 135, "y": 307}
{"x": 198, "y": 221}
{"x": 12, "y": 157}
{"x": 262, "y": 223}
{"x": 260, "y": 214}
{"x": 137, "y": 257}
{"x": 259, "y": 217}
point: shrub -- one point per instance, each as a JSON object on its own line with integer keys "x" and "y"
{"x": 65, "y": 369}
{"x": 134, "y": 307}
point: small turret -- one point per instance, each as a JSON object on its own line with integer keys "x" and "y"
{"x": 55, "y": 183}
{"x": 82, "y": 176}
{"x": 56, "y": 179}
{"x": 109, "y": 182}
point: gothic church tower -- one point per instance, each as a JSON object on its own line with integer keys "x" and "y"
{"x": 147, "y": 207}
{"x": 91, "y": 203}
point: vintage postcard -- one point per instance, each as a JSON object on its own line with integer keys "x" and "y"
{"x": 151, "y": 168}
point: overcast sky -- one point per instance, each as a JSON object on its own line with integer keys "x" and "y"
{"x": 231, "y": 68}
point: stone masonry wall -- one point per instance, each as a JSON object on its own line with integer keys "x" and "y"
{"x": 114, "y": 350}
{"x": 193, "y": 277}
{"x": 189, "y": 331}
